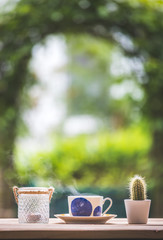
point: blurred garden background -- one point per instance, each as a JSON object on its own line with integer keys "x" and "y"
{"x": 81, "y": 99}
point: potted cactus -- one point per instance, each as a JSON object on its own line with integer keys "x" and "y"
{"x": 137, "y": 207}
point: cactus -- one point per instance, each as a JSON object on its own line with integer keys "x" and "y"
{"x": 137, "y": 188}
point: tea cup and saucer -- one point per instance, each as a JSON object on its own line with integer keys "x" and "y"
{"x": 86, "y": 209}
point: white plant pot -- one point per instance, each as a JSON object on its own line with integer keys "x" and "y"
{"x": 137, "y": 211}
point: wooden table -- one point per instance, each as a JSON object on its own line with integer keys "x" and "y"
{"x": 56, "y": 229}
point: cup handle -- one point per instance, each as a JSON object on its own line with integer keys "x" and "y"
{"x": 109, "y": 205}
{"x": 15, "y": 191}
{"x": 51, "y": 190}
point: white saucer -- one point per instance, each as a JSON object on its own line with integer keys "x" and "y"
{"x": 98, "y": 220}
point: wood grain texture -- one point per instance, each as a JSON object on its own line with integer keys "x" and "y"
{"x": 56, "y": 229}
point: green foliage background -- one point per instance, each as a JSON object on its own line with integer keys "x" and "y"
{"x": 28, "y": 23}
{"x": 101, "y": 160}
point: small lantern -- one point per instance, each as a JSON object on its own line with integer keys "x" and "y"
{"x": 33, "y": 204}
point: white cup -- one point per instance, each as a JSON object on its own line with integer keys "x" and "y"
{"x": 87, "y": 205}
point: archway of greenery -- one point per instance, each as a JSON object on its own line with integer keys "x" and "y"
{"x": 31, "y": 21}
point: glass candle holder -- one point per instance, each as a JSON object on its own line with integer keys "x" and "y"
{"x": 33, "y": 204}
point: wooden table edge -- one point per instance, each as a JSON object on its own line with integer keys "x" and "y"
{"x": 53, "y": 230}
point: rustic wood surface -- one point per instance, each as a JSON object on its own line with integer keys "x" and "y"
{"x": 56, "y": 229}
